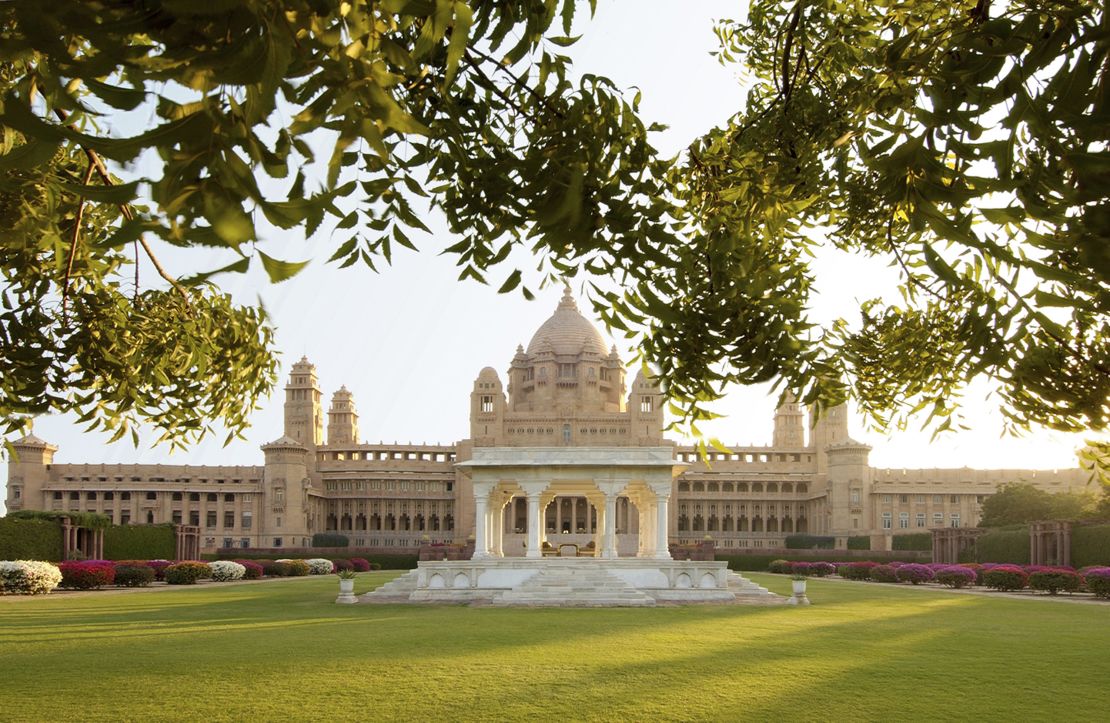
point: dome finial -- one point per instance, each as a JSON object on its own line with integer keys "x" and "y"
{"x": 568, "y": 298}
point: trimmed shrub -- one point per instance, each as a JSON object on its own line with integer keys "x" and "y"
{"x": 857, "y": 570}
{"x": 274, "y": 568}
{"x": 340, "y": 565}
{"x": 920, "y": 541}
{"x": 782, "y": 567}
{"x": 88, "y": 575}
{"x": 28, "y": 577}
{"x": 359, "y": 564}
{"x": 1004, "y": 545}
{"x": 1005, "y": 578}
{"x": 1097, "y": 580}
{"x": 884, "y": 573}
{"x": 955, "y": 576}
{"x": 1053, "y": 581}
{"x": 809, "y": 542}
{"x": 186, "y": 573}
{"x": 1090, "y": 545}
{"x": 139, "y": 542}
{"x": 859, "y": 542}
{"x": 319, "y": 566}
{"x": 134, "y": 575}
{"x": 913, "y": 573}
{"x": 30, "y": 539}
{"x": 330, "y": 539}
{"x": 251, "y": 569}
{"x": 377, "y": 566}
{"x": 300, "y": 568}
{"x": 226, "y": 571}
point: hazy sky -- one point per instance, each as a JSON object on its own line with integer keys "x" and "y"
{"x": 409, "y": 342}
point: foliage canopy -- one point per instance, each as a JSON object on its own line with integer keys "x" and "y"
{"x": 965, "y": 142}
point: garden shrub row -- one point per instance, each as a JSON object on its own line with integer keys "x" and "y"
{"x": 30, "y": 539}
{"x": 1004, "y": 545}
{"x": 383, "y": 562}
{"x": 1090, "y": 544}
{"x": 133, "y": 542}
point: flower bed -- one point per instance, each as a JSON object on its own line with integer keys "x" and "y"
{"x": 884, "y": 573}
{"x": 955, "y": 576}
{"x": 915, "y": 574}
{"x": 857, "y": 570}
{"x": 28, "y": 577}
{"x": 251, "y": 569}
{"x": 1054, "y": 581}
{"x": 87, "y": 575}
{"x": 1005, "y": 578}
{"x": 1097, "y": 580}
{"x": 359, "y": 564}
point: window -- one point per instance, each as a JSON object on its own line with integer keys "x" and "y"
{"x": 211, "y": 496}
{"x": 229, "y": 497}
{"x": 920, "y": 499}
{"x": 954, "y": 499}
{"x": 938, "y": 499}
{"x": 647, "y": 404}
{"x": 176, "y": 518}
{"x": 277, "y": 542}
{"x": 57, "y": 495}
{"x": 210, "y": 520}
{"x": 247, "y": 519}
{"x": 109, "y": 496}
{"x": 176, "y": 496}
{"x": 125, "y": 518}
{"x": 194, "y": 496}
{"x": 229, "y": 521}
{"x": 938, "y": 519}
{"x": 487, "y": 403}
{"x": 854, "y": 496}
{"x": 903, "y": 498}
{"x": 152, "y": 495}
{"x": 887, "y": 521}
{"x": 75, "y": 495}
{"x": 886, "y": 499}
{"x": 245, "y": 542}
{"x": 227, "y": 542}
{"x": 954, "y": 520}
{"x": 125, "y": 496}
{"x": 566, "y": 434}
{"x": 920, "y": 520}
{"x": 90, "y": 496}
{"x": 194, "y": 518}
{"x": 16, "y": 493}
{"x": 567, "y": 371}
{"x": 903, "y": 520}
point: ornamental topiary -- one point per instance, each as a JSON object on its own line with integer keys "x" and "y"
{"x": 226, "y": 571}
{"x": 884, "y": 573}
{"x": 87, "y": 575}
{"x": 955, "y": 576}
{"x": 134, "y": 575}
{"x": 1097, "y": 580}
{"x": 782, "y": 567}
{"x": 319, "y": 566}
{"x": 914, "y": 573}
{"x": 28, "y": 577}
{"x": 1005, "y": 578}
{"x": 186, "y": 573}
{"x": 1053, "y": 581}
{"x": 360, "y": 564}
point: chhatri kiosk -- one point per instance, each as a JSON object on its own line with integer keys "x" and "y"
{"x": 571, "y": 480}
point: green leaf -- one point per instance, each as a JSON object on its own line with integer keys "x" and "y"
{"x": 279, "y": 270}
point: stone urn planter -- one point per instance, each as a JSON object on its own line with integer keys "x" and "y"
{"x": 799, "y": 596}
{"x": 346, "y": 590}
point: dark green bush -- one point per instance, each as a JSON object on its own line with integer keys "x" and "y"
{"x": 920, "y": 541}
{"x": 91, "y": 520}
{"x": 1054, "y": 581}
{"x": 859, "y": 542}
{"x": 782, "y": 567}
{"x": 330, "y": 539}
{"x": 186, "y": 573}
{"x": 1004, "y": 544}
{"x": 809, "y": 542}
{"x": 1090, "y": 545}
{"x": 134, "y": 575}
{"x": 759, "y": 563}
{"x": 30, "y": 539}
{"x": 139, "y": 542}
{"x": 1005, "y": 578}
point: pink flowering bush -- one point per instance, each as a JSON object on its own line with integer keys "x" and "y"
{"x": 340, "y": 564}
{"x": 955, "y": 576}
{"x": 1005, "y": 578}
{"x": 88, "y": 574}
{"x": 782, "y": 567}
{"x": 251, "y": 569}
{"x": 913, "y": 573}
{"x": 884, "y": 573}
{"x": 360, "y": 564}
{"x": 1054, "y": 580}
{"x": 1097, "y": 580}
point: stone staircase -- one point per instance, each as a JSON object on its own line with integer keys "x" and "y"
{"x": 747, "y": 591}
{"x": 396, "y": 590}
{"x": 574, "y": 586}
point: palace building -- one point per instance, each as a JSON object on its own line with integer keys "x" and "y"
{"x": 566, "y": 392}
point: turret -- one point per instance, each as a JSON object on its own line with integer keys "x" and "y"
{"x": 285, "y": 488}
{"x": 304, "y": 418}
{"x": 829, "y": 427}
{"x": 342, "y": 418}
{"x": 28, "y": 471}
{"x": 789, "y": 424}
{"x": 645, "y": 410}
{"x": 487, "y": 409}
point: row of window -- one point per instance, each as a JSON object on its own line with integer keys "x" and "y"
{"x": 405, "y": 523}
{"x": 920, "y": 499}
{"x": 125, "y": 496}
{"x": 742, "y": 457}
{"x": 919, "y": 520}
{"x": 161, "y": 480}
{"x": 387, "y": 456}
{"x": 389, "y": 485}
{"x": 757, "y": 487}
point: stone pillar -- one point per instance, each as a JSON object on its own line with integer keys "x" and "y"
{"x": 609, "y": 526}
{"x": 481, "y": 521}
{"x": 535, "y": 522}
{"x": 662, "y": 540}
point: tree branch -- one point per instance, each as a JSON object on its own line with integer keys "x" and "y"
{"x": 73, "y": 240}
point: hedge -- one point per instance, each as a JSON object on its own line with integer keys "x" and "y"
{"x": 1090, "y": 545}
{"x": 861, "y": 542}
{"x": 91, "y": 520}
{"x": 920, "y": 541}
{"x": 387, "y": 562}
{"x": 809, "y": 542}
{"x": 330, "y": 539}
{"x": 759, "y": 563}
{"x": 30, "y": 539}
{"x": 140, "y": 542}
{"x": 1004, "y": 544}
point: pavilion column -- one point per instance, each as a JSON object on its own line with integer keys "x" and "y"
{"x": 534, "y": 523}
{"x": 481, "y": 520}
{"x": 662, "y": 540}
{"x": 609, "y": 525}
{"x": 498, "y": 518}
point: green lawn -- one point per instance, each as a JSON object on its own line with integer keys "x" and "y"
{"x": 283, "y": 650}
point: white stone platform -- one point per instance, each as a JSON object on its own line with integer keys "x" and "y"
{"x": 572, "y": 582}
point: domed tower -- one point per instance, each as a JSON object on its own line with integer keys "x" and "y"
{"x": 790, "y": 425}
{"x": 342, "y": 418}
{"x": 487, "y": 409}
{"x": 28, "y": 471}
{"x": 304, "y": 418}
{"x": 645, "y": 410}
{"x": 285, "y": 488}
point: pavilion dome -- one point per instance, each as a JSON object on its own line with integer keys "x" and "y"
{"x": 567, "y": 332}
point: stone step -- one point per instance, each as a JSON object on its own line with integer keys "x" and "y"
{"x": 568, "y": 587}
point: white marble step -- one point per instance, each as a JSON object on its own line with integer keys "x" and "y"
{"x": 568, "y": 587}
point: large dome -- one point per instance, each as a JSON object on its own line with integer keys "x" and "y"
{"x": 567, "y": 332}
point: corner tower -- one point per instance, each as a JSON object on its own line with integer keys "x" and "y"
{"x": 28, "y": 471}
{"x": 304, "y": 418}
{"x": 790, "y": 425}
{"x": 342, "y": 418}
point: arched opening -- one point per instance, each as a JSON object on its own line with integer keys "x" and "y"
{"x": 332, "y": 522}
{"x": 713, "y": 487}
{"x": 390, "y": 522}
{"x": 683, "y": 523}
{"x": 726, "y": 487}
{"x": 434, "y": 521}
{"x": 699, "y": 487}
{"x": 802, "y": 525}
{"x": 772, "y": 524}
{"x": 787, "y": 524}
{"x": 449, "y": 522}
{"x": 375, "y": 522}
{"x": 420, "y": 523}
{"x": 712, "y": 524}
{"x": 757, "y": 524}
{"x": 772, "y": 487}
{"x": 149, "y": 517}
{"x": 742, "y": 524}
{"x": 683, "y": 486}
{"x": 406, "y": 523}
{"x": 699, "y": 523}
{"x": 360, "y": 521}
{"x": 726, "y": 526}
{"x": 345, "y": 522}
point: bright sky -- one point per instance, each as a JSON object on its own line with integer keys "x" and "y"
{"x": 409, "y": 342}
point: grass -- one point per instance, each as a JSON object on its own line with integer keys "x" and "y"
{"x": 283, "y": 650}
